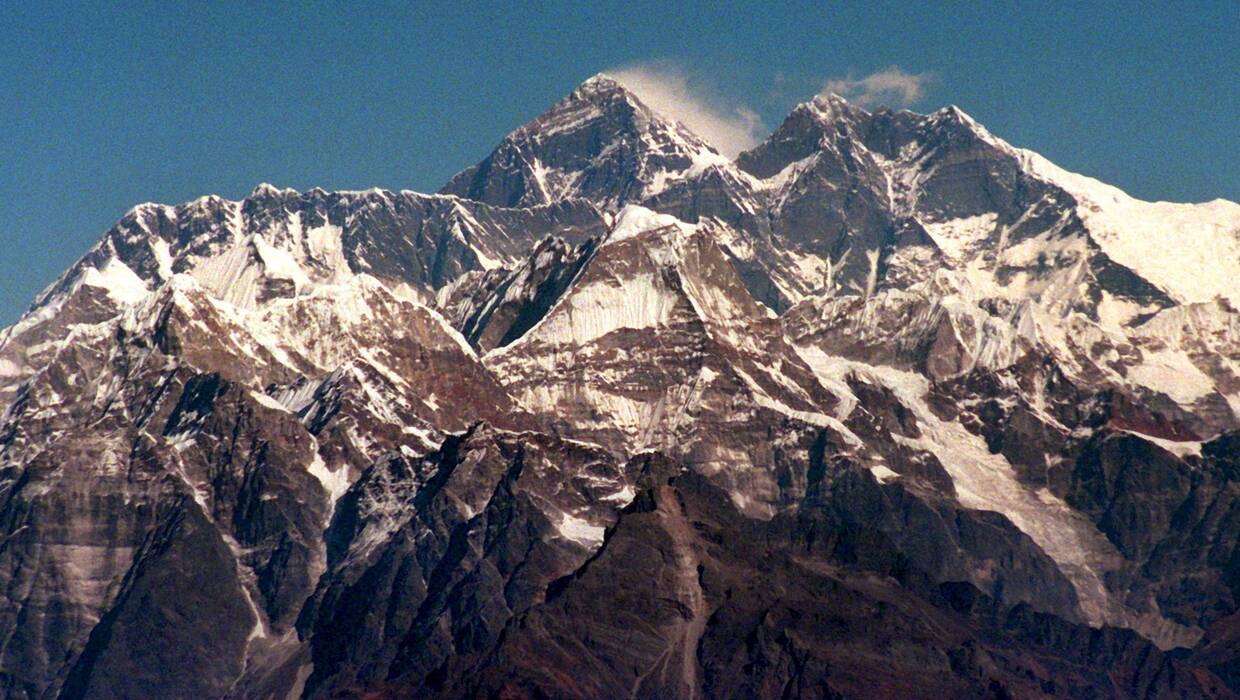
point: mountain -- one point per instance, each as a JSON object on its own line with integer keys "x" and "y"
{"x": 885, "y": 407}
{"x": 601, "y": 143}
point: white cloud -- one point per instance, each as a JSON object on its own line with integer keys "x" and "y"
{"x": 891, "y": 86}
{"x": 668, "y": 88}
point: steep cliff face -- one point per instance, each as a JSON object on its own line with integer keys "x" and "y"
{"x": 883, "y": 408}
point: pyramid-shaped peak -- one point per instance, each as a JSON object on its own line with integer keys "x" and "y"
{"x": 953, "y": 113}
{"x": 601, "y": 143}
{"x": 600, "y": 83}
{"x": 605, "y": 88}
{"x": 603, "y": 93}
{"x": 953, "y": 119}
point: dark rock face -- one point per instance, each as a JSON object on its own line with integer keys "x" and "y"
{"x": 429, "y": 560}
{"x": 160, "y": 623}
{"x": 689, "y": 597}
{"x": 1180, "y": 520}
{"x": 1172, "y": 518}
{"x": 874, "y": 410}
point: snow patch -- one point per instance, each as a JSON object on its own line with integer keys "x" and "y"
{"x": 580, "y": 531}
{"x": 883, "y": 473}
{"x": 335, "y": 482}
{"x": 634, "y": 220}
{"x": 621, "y": 498}
{"x": 1172, "y": 373}
{"x": 1178, "y": 448}
{"x": 118, "y": 281}
{"x": 957, "y": 236}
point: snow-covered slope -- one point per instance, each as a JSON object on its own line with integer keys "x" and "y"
{"x": 1191, "y": 251}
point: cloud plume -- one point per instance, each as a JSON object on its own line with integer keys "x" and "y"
{"x": 669, "y": 89}
{"x": 892, "y": 86}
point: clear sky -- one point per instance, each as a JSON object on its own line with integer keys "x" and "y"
{"x": 103, "y": 107}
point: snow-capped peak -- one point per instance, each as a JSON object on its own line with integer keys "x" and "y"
{"x": 1191, "y": 251}
{"x": 634, "y": 220}
{"x": 600, "y": 143}
{"x": 600, "y": 82}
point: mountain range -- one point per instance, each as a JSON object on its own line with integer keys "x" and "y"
{"x": 882, "y": 407}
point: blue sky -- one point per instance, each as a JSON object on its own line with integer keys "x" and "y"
{"x": 107, "y": 106}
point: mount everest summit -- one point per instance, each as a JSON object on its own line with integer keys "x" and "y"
{"x": 883, "y": 407}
